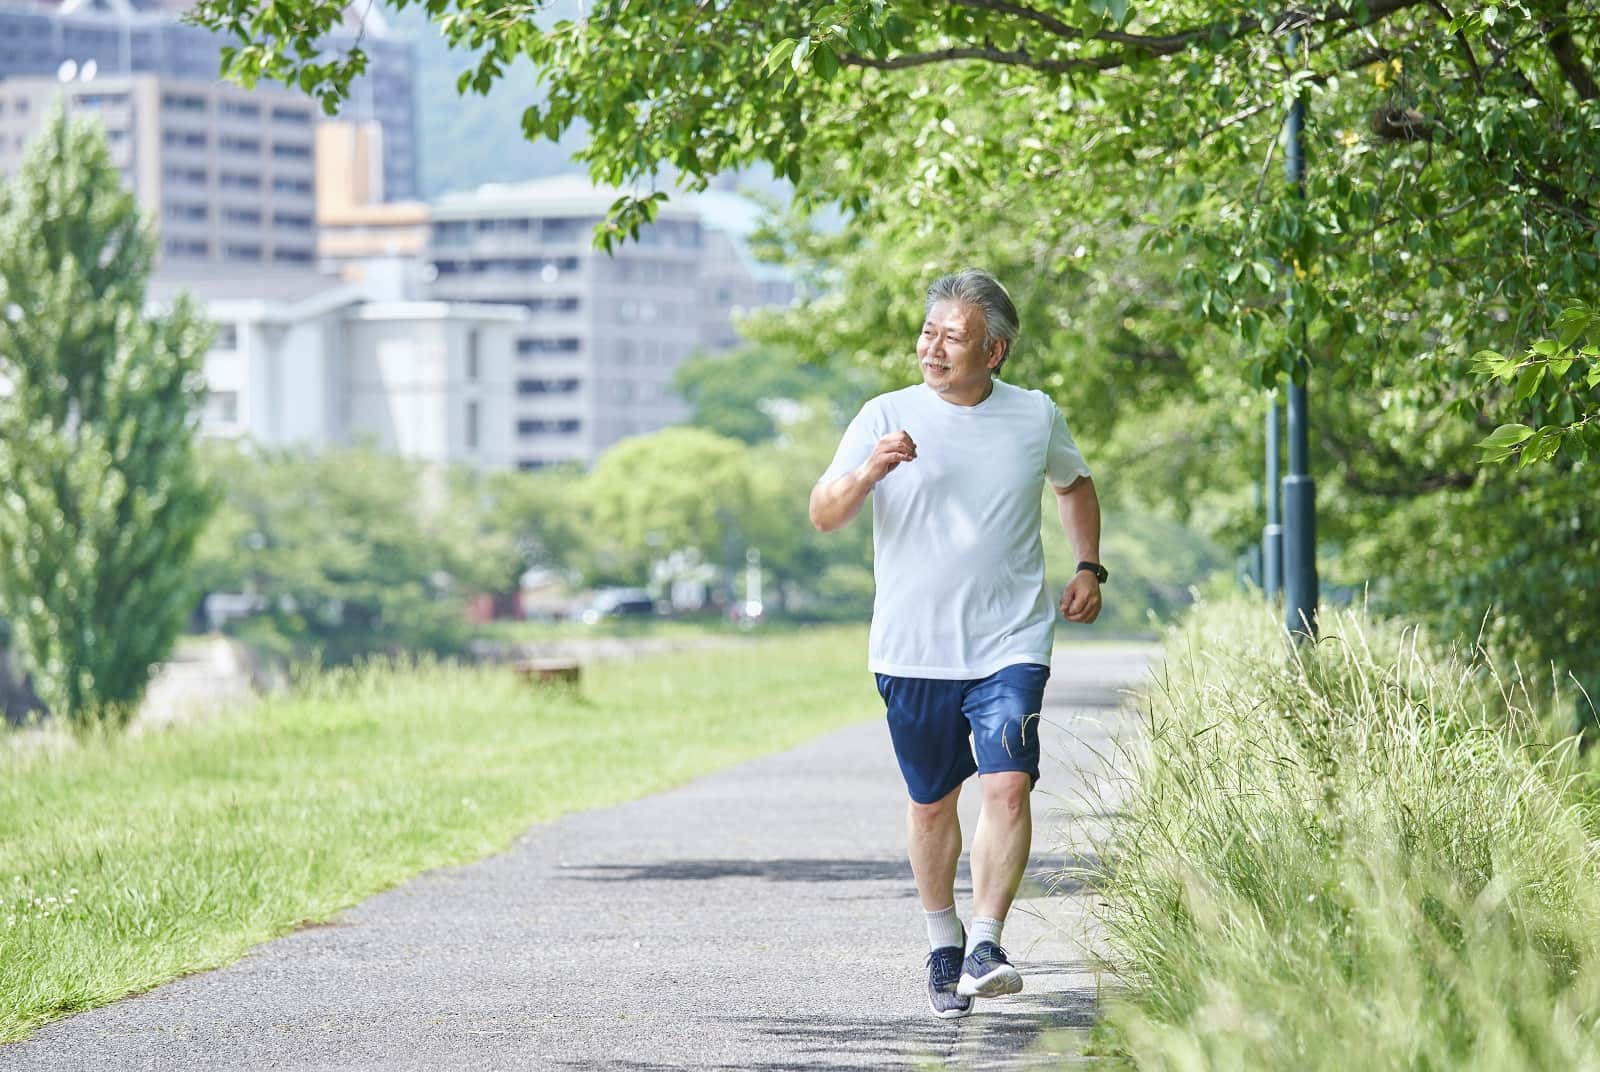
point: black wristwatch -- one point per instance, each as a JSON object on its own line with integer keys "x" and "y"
{"x": 1099, "y": 571}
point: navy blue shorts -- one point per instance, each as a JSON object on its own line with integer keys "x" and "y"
{"x": 931, "y": 722}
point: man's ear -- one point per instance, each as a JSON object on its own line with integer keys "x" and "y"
{"x": 997, "y": 354}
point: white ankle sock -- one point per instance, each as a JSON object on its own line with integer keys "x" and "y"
{"x": 944, "y": 928}
{"x": 984, "y": 929}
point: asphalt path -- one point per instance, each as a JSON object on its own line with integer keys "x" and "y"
{"x": 760, "y": 919}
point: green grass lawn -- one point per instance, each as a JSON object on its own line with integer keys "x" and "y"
{"x": 126, "y": 863}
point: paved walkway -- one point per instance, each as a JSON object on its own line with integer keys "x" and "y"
{"x": 761, "y": 918}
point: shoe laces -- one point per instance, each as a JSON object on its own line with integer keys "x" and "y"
{"x": 944, "y": 966}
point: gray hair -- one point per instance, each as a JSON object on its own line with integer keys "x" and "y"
{"x": 976, "y": 287}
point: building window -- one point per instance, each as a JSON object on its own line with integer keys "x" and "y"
{"x": 472, "y": 425}
{"x": 294, "y": 221}
{"x": 529, "y": 464}
{"x": 291, "y": 150}
{"x": 451, "y": 233}
{"x": 184, "y": 139}
{"x": 240, "y": 109}
{"x": 472, "y": 355}
{"x": 237, "y": 180}
{"x": 533, "y": 426}
{"x": 566, "y": 345}
{"x": 282, "y": 184}
{"x": 231, "y": 143}
{"x": 564, "y": 386}
{"x": 223, "y": 406}
{"x": 182, "y": 102}
{"x": 101, "y": 100}
{"x": 248, "y": 217}
{"x": 186, "y": 175}
{"x": 291, "y": 115}
{"x": 227, "y": 337}
{"x": 187, "y": 247}
{"x": 188, "y": 211}
{"x": 241, "y": 251}
{"x": 291, "y": 255}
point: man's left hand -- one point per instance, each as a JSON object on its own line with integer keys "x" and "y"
{"x": 1081, "y": 600}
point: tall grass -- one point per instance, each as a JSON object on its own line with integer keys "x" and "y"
{"x": 125, "y": 862}
{"x": 1362, "y": 855}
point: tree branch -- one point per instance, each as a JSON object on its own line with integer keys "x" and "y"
{"x": 1136, "y": 46}
{"x": 1566, "y": 54}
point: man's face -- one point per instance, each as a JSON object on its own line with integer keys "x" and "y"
{"x": 950, "y": 351}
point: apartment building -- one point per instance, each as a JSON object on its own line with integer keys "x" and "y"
{"x": 134, "y": 37}
{"x": 308, "y": 362}
{"x": 228, "y": 174}
{"x": 595, "y": 360}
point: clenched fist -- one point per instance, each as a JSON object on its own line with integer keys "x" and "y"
{"x": 892, "y": 449}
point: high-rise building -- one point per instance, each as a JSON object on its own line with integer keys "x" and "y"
{"x": 132, "y": 37}
{"x": 595, "y": 361}
{"x": 226, "y": 173}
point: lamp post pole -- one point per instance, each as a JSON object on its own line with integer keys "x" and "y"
{"x": 1272, "y": 535}
{"x": 1299, "y": 492}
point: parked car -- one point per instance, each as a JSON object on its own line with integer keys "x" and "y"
{"x": 617, "y": 603}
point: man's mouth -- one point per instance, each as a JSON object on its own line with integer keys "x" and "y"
{"x": 933, "y": 366}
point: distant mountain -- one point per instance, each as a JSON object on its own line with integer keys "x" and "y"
{"x": 466, "y": 141}
{"x": 469, "y": 140}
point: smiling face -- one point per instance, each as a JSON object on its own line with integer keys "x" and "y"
{"x": 951, "y": 354}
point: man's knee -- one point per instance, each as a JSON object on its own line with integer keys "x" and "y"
{"x": 1007, "y": 792}
{"x": 938, "y": 815}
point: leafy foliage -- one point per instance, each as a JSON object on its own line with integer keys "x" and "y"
{"x": 351, "y": 552}
{"x": 102, "y": 500}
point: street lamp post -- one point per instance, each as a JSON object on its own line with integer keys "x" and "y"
{"x": 1299, "y": 492}
{"x": 1272, "y": 535}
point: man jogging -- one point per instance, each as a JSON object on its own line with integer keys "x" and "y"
{"x": 962, "y": 625}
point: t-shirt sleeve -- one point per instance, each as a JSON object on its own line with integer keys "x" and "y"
{"x": 1063, "y": 462}
{"x": 856, "y": 446}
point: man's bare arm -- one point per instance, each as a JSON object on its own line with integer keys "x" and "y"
{"x": 1079, "y": 509}
{"x": 836, "y": 502}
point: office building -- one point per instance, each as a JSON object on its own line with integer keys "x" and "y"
{"x": 226, "y": 173}
{"x": 145, "y": 37}
{"x": 595, "y": 360}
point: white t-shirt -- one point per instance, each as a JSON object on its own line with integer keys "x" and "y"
{"x": 955, "y": 531}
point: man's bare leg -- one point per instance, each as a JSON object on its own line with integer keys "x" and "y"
{"x": 933, "y": 841}
{"x": 1001, "y": 843}
{"x": 999, "y": 858}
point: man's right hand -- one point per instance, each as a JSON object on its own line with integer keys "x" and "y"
{"x": 892, "y": 449}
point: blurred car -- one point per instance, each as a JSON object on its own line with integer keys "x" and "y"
{"x": 617, "y": 603}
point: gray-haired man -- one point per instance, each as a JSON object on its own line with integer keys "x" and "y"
{"x": 962, "y": 625}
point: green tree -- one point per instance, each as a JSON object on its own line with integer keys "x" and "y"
{"x": 351, "y": 551}
{"x": 674, "y": 490}
{"x": 748, "y": 393}
{"x": 103, "y": 499}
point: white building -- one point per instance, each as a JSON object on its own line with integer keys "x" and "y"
{"x": 606, "y": 333}
{"x": 317, "y": 363}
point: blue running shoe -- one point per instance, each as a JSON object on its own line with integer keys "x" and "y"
{"x": 944, "y": 969}
{"x": 986, "y": 973}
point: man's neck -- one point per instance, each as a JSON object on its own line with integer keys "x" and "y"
{"x": 969, "y": 398}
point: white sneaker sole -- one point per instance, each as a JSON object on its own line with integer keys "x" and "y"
{"x": 998, "y": 983}
{"x": 950, "y": 1014}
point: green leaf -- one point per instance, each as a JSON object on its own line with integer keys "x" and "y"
{"x": 1263, "y": 273}
{"x": 780, "y": 52}
{"x": 825, "y": 61}
{"x": 1528, "y": 382}
{"x": 1507, "y": 435}
{"x": 802, "y": 52}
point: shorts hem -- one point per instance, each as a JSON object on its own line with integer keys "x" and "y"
{"x": 957, "y": 673}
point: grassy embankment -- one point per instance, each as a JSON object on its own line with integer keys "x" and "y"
{"x": 126, "y": 863}
{"x": 1374, "y": 857}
